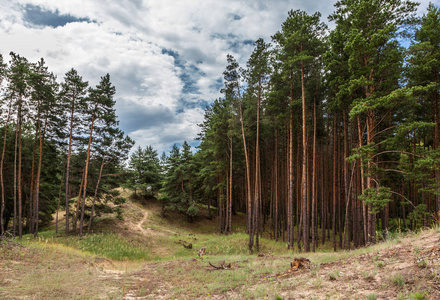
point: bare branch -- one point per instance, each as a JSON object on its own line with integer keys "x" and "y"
{"x": 395, "y": 151}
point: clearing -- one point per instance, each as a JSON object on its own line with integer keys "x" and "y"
{"x": 142, "y": 257}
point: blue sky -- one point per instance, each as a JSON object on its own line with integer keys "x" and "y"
{"x": 165, "y": 57}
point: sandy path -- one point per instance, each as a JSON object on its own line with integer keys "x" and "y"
{"x": 141, "y": 222}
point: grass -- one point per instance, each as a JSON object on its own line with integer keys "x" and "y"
{"x": 192, "y": 278}
{"x": 398, "y": 280}
{"x": 417, "y": 296}
{"x": 119, "y": 247}
{"x": 109, "y": 245}
{"x": 166, "y": 266}
{"x": 380, "y": 264}
{"x": 422, "y": 264}
{"x": 369, "y": 276}
{"x": 371, "y": 297}
{"x": 334, "y": 275}
{"x": 39, "y": 271}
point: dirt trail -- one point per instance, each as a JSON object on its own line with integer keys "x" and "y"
{"x": 141, "y": 222}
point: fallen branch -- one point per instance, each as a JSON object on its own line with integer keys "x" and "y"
{"x": 222, "y": 266}
{"x": 183, "y": 243}
{"x": 201, "y": 252}
{"x": 299, "y": 263}
{"x": 296, "y": 266}
{"x": 7, "y": 239}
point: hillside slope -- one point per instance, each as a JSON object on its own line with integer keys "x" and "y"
{"x": 142, "y": 257}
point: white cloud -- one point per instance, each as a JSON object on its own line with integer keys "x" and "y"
{"x": 126, "y": 39}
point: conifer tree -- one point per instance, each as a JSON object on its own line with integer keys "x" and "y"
{"x": 257, "y": 75}
{"x": 18, "y": 89}
{"x": 3, "y": 68}
{"x": 102, "y": 114}
{"x": 145, "y": 169}
{"x": 424, "y": 71}
{"x": 44, "y": 91}
{"x": 72, "y": 95}
{"x": 302, "y": 41}
{"x": 375, "y": 64}
{"x": 111, "y": 147}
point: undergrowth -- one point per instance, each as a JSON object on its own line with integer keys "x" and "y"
{"x": 109, "y": 245}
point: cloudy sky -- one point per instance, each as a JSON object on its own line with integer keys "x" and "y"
{"x": 165, "y": 57}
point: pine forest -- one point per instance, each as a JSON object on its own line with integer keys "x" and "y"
{"x": 324, "y": 135}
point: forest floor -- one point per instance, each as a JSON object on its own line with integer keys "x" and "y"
{"x": 143, "y": 257}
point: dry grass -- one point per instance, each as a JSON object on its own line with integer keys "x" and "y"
{"x": 40, "y": 271}
{"x": 48, "y": 268}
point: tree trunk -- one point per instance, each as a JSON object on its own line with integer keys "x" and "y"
{"x": 14, "y": 225}
{"x": 314, "y": 179}
{"x": 334, "y": 182}
{"x": 436, "y": 146}
{"x": 2, "y": 161}
{"x": 371, "y": 217}
{"x": 304, "y": 165}
{"x": 230, "y": 191}
{"x": 96, "y": 194}
{"x": 59, "y": 202}
{"x": 69, "y": 152}
{"x": 364, "y": 207}
{"x": 85, "y": 174}
{"x": 76, "y": 213}
{"x": 275, "y": 222}
{"x": 248, "y": 181}
{"x": 257, "y": 170}
{"x": 37, "y": 182}
{"x": 33, "y": 210}
{"x": 31, "y": 222}
{"x": 346, "y": 184}
{"x": 20, "y": 184}
{"x": 290, "y": 238}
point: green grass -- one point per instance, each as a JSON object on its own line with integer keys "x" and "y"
{"x": 398, "y": 280}
{"x": 417, "y": 296}
{"x": 108, "y": 245}
{"x": 334, "y": 275}
{"x": 233, "y": 244}
{"x": 380, "y": 264}
{"x": 371, "y": 297}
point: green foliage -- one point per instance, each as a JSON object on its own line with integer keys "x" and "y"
{"x": 52, "y": 122}
{"x": 109, "y": 245}
{"x": 417, "y": 296}
{"x": 363, "y": 152}
{"x": 334, "y": 275}
{"x": 371, "y": 297}
{"x": 398, "y": 280}
{"x": 419, "y": 214}
{"x": 177, "y": 192}
{"x": 119, "y": 200}
{"x": 145, "y": 171}
{"x": 378, "y": 198}
{"x": 193, "y": 211}
{"x": 380, "y": 264}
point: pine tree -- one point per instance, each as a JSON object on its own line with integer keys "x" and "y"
{"x": 302, "y": 41}
{"x": 145, "y": 170}
{"x": 257, "y": 75}
{"x": 44, "y": 91}
{"x": 3, "y": 68}
{"x": 102, "y": 114}
{"x": 375, "y": 64}
{"x": 72, "y": 95}
{"x": 424, "y": 71}
{"x": 18, "y": 89}
{"x": 111, "y": 147}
